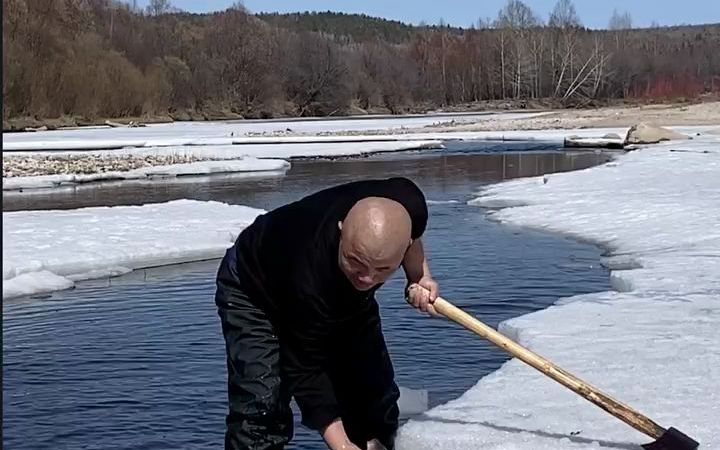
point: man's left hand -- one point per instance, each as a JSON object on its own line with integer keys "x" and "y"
{"x": 422, "y": 294}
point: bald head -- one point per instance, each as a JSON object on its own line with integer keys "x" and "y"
{"x": 380, "y": 227}
{"x": 375, "y": 235}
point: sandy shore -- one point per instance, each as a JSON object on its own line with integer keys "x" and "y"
{"x": 610, "y": 117}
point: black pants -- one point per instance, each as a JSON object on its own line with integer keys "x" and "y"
{"x": 259, "y": 416}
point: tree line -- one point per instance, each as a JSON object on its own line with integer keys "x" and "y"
{"x": 106, "y": 58}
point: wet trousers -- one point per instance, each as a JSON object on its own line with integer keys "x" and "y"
{"x": 259, "y": 416}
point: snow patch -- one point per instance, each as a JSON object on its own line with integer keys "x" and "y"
{"x": 49, "y": 250}
{"x": 653, "y": 345}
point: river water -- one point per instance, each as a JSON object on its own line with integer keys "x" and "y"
{"x": 137, "y": 362}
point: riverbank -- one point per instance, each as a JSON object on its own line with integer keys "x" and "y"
{"x": 31, "y": 124}
{"x": 606, "y": 117}
{"x": 58, "y": 152}
{"x": 650, "y": 343}
{"x": 611, "y": 113}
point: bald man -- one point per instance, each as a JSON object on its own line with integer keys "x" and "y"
{"x": 296, "y": 299}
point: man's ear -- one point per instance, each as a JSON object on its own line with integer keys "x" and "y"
{"x": 340, "y": 225}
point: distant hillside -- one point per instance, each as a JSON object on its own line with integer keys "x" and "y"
{"x": 363, "y": 28}
{"x": 357, "y": 27}
{"x": 360, "y": 28}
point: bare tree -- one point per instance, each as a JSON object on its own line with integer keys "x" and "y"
{"x": 318, "y": 78}
{"x": 620, "y": 21}
{"x": 564, "y": 15}
{"x": 158, "y": 7}
{"x": 239, "y": 50}
{"x": 620, "y": 26}
{"x": 586, "y": 83}
{"x": 519, "y": 20}
{"x": 443, "y": 59}
{"x": 564, "y": 25}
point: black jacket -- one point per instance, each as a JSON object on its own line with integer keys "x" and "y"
{"x": 287, "y": 262}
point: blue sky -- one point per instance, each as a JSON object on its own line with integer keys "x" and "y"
{"x": 594, "y": 13}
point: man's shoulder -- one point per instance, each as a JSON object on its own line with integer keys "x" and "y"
{"x": 348, "y": 190}
{"x": 375, "y": 187}
{"x": 337, "y": 199}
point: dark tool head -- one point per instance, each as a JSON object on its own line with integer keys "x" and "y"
{"x": 673, "y": 439}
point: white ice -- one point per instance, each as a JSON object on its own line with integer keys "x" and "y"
{"x": 154, "y": 182}
{"x": 653, "y": 344}
{"x": 441, "y": 202}
{"x": 49, "y": 250}
{"x": 229, "y": 140}
{"x": 261, "y": 151}
{"x": 251, "y": 156}
{"x": 99, "y": 139}
{"x": 269, "y": 167}
{"x": 278, "y": 147}
{"x": 222, "y": 132}
{"x": 551, "y": 136}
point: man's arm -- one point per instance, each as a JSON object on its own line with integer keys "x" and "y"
{"x": 415, "y": 263}
{"x": 417, "y": 272}
{"x": 304, "y": 347}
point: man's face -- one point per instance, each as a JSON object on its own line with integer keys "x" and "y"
{"x": 363, "y": 270}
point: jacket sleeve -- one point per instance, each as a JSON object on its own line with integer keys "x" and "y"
{"x": 305, "y": 351}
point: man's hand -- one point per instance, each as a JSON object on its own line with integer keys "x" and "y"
{"x": 336, "y": 438}
{"x": 422, "y": 294}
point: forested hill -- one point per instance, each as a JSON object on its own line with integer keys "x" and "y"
{"x": 83, "y": 60}
{"x": 357, "y": 27}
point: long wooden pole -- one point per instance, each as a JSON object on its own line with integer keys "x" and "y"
{"x": 590, "y": 393}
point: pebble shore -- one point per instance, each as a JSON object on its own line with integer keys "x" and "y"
{"x": 34, "y": 165}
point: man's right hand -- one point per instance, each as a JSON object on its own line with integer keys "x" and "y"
{"x": 421, "y": 297}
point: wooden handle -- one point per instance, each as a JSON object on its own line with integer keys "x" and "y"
{"x": 617, "y": 409}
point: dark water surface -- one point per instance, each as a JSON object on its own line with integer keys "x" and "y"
{"x": 137, "y": 362}
{"x": 468, "y": 164}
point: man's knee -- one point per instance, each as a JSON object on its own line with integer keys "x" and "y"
{"x": 259, "y": 416}
{"x": 258, "y": 430}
